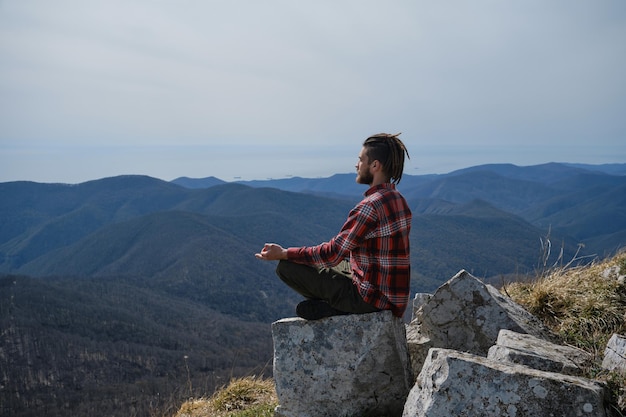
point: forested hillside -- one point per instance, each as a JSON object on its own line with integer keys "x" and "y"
{"x": 114, "y": 347}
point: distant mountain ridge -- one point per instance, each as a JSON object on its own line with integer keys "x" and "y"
{"x": 198, "y": 182}
{"x": 582, "y": 204}
{"x": 549, "y": 172}
{"x": 536, "y": 193}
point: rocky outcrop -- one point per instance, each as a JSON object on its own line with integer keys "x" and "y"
{"x": 419, "y": 300}
{"x": 341, "y": 366}
{"x": 467, "y": 315}
{"x": 615, "y": 362}
{"x": 615, "y": 355}
{"x": 418, "y": 346}
{"x": 454, "y": 383}
{"x": 473, "y": 352}
{"x": 528, "y": 350}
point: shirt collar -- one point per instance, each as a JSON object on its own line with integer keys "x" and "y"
{"x": 383, "y": 186}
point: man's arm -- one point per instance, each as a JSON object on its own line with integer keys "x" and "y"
{"x": 361, "y": 220}
{"x": 272, "y": 252}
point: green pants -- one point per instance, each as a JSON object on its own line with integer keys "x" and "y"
{"x": 333, "y": 285}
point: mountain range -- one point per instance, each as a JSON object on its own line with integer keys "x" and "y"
{"x": 117, "y": 290}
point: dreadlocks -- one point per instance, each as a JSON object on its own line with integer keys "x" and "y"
{"x": 389, "y": 151}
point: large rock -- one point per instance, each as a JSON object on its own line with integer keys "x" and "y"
{"x": 614, "y": 272}
{"x": 419, "y": 300}
{"x": 341, "y": 366}
{"x": 466, "y": 315}
{"x": 418, "y": 346}
{"x": 615, "y": 354}
{"x": 528, "y": 350}
{"x": 457, "y": 384}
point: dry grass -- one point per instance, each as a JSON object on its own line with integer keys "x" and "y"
{"x": 243, "y": 397}
{"x": 584, "y": 305}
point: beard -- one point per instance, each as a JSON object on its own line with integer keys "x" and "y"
{"x": 364, "y": 178}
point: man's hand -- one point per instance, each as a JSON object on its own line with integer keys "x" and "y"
{"x": 272, "y": 252}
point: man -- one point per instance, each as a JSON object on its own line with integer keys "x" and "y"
{"x": 374, "y": 238}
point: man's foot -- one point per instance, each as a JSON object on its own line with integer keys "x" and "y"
{"x": 316, "y": 309}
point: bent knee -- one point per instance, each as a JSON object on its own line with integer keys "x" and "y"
{"x": 289, "y": 271}
{"x": 282, "y": 266}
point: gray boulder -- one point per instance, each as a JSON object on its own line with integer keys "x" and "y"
{"x": 614, "y": 272}
{"x": 615, "y": 355}
{"x": 341, "y": 366}
{"x": 528, "y": 350}
{"x": 419, "y": 300}
{"x": 466, "y": 315}
{"x": 458, "y": 384}
{"x": 418, "y": 346}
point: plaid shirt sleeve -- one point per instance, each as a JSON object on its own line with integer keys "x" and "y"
{"x": 376, "y": 239}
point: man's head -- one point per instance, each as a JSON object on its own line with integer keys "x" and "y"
{"x": 383, "y": 156}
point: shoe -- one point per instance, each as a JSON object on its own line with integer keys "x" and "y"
{"x": 316, "y": 309}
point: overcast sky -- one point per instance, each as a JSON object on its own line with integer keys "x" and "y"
{"x": 269, "y": 89}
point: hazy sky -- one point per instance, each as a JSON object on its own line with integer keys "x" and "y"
{"x": 260, "y": 89}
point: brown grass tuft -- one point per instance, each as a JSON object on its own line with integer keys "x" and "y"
{"x": 584, "y": 305}
{"x": 242, "y": 397}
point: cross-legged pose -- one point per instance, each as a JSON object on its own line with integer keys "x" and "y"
{"x": 366, "y": 267}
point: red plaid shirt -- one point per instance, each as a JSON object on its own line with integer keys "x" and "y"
{"x": 376, "y": 238}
